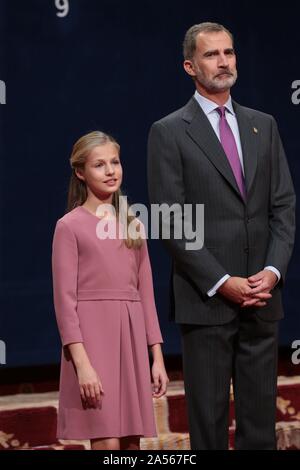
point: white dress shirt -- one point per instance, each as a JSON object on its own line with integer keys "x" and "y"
{"x": 209, "y": 108}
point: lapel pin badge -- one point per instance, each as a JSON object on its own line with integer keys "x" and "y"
{"x": 255, "y": 130}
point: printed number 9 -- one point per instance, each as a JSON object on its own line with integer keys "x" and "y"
{"x": 63, "y": 7}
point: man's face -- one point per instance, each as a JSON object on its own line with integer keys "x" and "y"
{"x": 214, "y": 62}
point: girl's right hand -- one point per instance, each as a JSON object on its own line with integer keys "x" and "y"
{"x": 91, "y": 389}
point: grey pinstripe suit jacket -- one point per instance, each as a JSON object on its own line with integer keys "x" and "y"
{"x": 187, "y": 164}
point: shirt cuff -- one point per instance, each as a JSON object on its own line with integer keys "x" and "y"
{"x": 274, "y": 270}
{"x": 214, "y": 289}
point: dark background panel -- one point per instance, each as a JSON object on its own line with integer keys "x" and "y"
{"x": 114, "y": 66}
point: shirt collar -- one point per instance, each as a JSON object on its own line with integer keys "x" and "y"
{"x": 208, "y": 106}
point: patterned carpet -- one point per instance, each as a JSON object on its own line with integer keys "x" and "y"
{"x": 29, "y": 420}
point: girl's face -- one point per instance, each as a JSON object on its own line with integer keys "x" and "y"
{"x": 103, "y": 171}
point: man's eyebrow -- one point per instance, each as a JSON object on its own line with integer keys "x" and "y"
{"x": 216, "y": 51}
{"x": 229, "y": 49}
{"x": 210, "y": 52}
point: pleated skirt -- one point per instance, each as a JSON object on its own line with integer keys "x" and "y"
{"x": 115, "y": 340}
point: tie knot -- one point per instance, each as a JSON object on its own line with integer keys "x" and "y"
{"x": 221, "y": 110}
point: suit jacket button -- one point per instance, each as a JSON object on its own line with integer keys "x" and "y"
{"x": 246, "y": 250}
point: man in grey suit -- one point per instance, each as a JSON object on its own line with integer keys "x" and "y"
{"x": 227, "y": 295}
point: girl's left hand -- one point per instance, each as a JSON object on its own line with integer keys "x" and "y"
{"x": 160, "y": 379}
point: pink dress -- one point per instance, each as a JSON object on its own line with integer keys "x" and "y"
{"x": 103, "y": 297}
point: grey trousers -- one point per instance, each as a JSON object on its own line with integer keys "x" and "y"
{"x": 245, "y": 350}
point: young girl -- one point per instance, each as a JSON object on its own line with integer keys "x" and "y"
{"x": 105, "y": 310}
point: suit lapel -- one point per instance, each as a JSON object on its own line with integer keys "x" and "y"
{"x": 201, "y": 131}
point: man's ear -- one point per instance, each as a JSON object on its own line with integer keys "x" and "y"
{"x": 189, "y": 68}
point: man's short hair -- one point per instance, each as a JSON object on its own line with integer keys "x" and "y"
{"x": 189, "y": 43}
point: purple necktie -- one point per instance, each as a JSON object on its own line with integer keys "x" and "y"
{"x": 229, "y": 145}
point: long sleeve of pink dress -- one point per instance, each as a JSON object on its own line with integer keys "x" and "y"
{"x": 65, "y": 273}
{"x": 145, "y": 288}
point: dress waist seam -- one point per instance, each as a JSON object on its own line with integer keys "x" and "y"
{"x": 109, "y": 294}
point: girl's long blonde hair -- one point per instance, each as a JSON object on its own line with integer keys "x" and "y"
{"x": 77, "y": 192}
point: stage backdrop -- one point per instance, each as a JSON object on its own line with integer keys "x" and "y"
{"x": 70, "y": 67}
